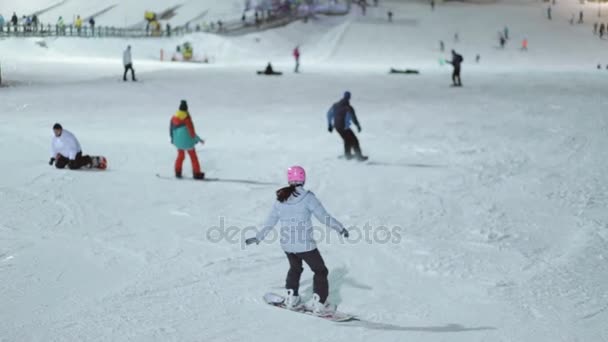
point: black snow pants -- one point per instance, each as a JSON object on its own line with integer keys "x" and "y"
{"x": 350, "y": 142}
{"x": 127, "y": 68}
{"x": 456, "y": 77}
{"x": 75, "y": 164}
{"x": 314, "y": 260}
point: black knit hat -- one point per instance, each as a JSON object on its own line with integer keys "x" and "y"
{"x": 183, "y": 106}
{"x": 57, "y": 126}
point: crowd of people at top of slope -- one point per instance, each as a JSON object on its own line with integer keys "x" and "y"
{"x": 599, "y": 28}
{"x": 32, "y": 23}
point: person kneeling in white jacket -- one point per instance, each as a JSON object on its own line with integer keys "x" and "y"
{"x": 66, "y": 151}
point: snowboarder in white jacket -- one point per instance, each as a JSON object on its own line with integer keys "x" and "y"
{"x": 127, "y": 61}
{"x": 293, "y": 209}
{"x": 66, "y": 151}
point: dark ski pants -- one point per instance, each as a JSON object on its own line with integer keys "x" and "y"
{"x": 456, "y": 77}
{"x": 79, "y": 162}
{"x": 127, "y": 68}
{"x": 350, "y": 142}
{"x": 314, "y": 260}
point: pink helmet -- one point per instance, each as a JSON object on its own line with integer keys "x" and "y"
{"x": 296, "y": 175}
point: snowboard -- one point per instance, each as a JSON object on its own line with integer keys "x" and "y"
{"x": 99, "y": 162}
{"x": 406, "y": 71}
{"x": 207, "y": 179}
{"x": 275, "y": 73}
{"x": 279, "y": 302}
{"x": 363, "y": 159}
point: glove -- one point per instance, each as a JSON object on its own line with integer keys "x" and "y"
{"x": 359, "y": 128}
{"x": 330, "y": 129}
{"x": 51, "y": 161}
{"x": 344, "y": 233}
{"x": 251, "y": 241}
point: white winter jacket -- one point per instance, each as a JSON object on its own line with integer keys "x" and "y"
{"x": 67, "y": 145}
{"x": 296, "y": 232}
{"x": 126, "y": 57}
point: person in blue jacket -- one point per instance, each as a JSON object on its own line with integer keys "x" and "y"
{"x": 293, "y": 210}
{"x": 340, "y": 116}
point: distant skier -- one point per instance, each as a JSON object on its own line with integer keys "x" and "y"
{"x": 184, "y": 137}
{"x": 477, "y": 58}
{"x": 296, "y": 56}
{"x": 92, "y": 25}
{"x": 35, "y": 22}
{"x": 15, "y": 19}
{"x": 78, "y": 24}
{"x": 602, "y": 30}
{"x": 456, "y": 37}
{"x": 441, "y": 46}
{"x": 506, "y": 32}
{"x": 1, "y": 23}
{"x": 595, "y": 27}
{"x": 293, "y": 209}
{"x": 580, "y": 17}
{"x": 127, "y": 61}
{"x": 549, "y": 12}
{"x": 60, "y": 26}
{"x": 456, "y": 63}
{"x": 390, "y": 16}
{"x": 432, "y": 5}
{"x": 502, "y": 41}
{"x": 66, "y": 151}
{"x": 524, "y": 44}
{"x": 340, "y": 116}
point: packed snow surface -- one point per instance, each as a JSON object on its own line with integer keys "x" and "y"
{"x": 493, "y": 196}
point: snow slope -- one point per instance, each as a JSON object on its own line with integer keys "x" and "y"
{"x": 498, "y": 189}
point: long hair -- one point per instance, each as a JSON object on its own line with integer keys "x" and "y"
{"x": 283, "y": 194}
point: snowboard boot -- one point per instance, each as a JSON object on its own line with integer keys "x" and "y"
{"x": 361, "y": 157}
{"x": 178, "y": 174}
{"x": 103, "y": 163}
{"x": 322, "y": 309}
{"x": 291, "y": 301}
{"x": 199, "y": 176}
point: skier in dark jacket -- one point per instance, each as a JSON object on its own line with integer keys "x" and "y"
{"x": 340, "y": 116}
{"x": 456, "y": 62}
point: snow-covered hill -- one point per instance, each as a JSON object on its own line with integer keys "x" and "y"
{"x": 494, "y": 194}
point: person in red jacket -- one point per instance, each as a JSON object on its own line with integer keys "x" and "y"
{"x": 296, "y": 56}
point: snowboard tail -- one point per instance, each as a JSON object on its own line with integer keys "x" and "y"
{"x": 99, "y": 162}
